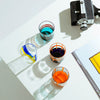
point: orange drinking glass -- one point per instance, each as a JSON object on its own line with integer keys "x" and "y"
{"x": 60, "y": 76}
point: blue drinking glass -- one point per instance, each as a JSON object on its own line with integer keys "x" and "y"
{"x": 46, "y": 29}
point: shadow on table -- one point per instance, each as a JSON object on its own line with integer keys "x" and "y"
{"x": 47, "y": 91}
{"x": 17, "y": 12}
{"x": 43, "y": 67}
{"x": 36, "y": 40}
{"x": 65, "y": 25}
{"x": 19, "y": 64}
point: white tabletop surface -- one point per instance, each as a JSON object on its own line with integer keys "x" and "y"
{"x": 57, "y": 11}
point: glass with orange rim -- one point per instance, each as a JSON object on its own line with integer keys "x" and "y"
{"x": 57, "y": 52}
{"x": 60, "y": 76}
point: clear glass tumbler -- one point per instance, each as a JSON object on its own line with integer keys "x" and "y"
{"x": 57, "y": 52}
{"x": 46, "y": 29}
{"x": 29, "y": 50}
{"x": 60, "y": 76}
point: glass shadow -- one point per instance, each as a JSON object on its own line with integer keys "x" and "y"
{"x": 19, "y": 64}
{"x": 47, "y": 91}
{"x": 43, "y": 67}
{"x": 36, "y": 40}
{"x": 23, "y": 62}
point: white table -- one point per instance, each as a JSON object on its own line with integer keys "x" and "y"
{"x": 57, "y": 11}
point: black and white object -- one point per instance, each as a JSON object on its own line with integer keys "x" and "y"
{"x": 83, "y": 13}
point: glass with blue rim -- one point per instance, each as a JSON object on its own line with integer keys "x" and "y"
{"x": 46, "y": 29}
{"x": 29, "y": 51}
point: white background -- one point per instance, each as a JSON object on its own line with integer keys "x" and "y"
{"x": 18, "y": 28}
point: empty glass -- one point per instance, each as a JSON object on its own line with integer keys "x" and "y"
{"x": 30, "y": 52}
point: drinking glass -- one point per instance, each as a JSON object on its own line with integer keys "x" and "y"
{"x": 46, "y": 29}
{"x": 60, "y": 76}
{"x": 57, "y": 52}
{"x": 29, "y": 50}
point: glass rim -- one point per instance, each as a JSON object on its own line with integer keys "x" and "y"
{"x": 57, "y": 43}
{"x": 46, "y": 21}
{"x": 65, "y": 72}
